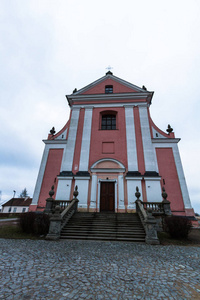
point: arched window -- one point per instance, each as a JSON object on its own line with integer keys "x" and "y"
{"x": 108, "y": 122}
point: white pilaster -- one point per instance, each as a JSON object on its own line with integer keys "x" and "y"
{"x": 85, "y": 146}
{"x": 132, "y": 183}
{"x": 131, "y": 141}
{"x": 149, "y": 151}
{"x": 153, "y": 189}
{"x": 82, "y": 183}
{"x": 69, "y": 153}
{"x": 93, "y": 192}
{"x": 121, "y": 191}
{"x": 63, "y": 188}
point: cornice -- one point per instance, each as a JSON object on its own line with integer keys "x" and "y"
{"x": 57, "y": 141}
{"x": 109, "y": 96}
{"x": 72, "y": 99}
{"x": 165, "y": 140}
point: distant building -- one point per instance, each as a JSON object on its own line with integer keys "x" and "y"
{"x": 17, "y": 205}
{"x": 109, "y": 146}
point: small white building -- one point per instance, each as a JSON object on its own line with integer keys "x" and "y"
{"x": 17, "y": 205}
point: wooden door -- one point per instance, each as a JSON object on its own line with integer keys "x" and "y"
{"x": 107, "y": 196}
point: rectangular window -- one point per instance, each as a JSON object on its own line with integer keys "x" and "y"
{"x": 108, "y": 122}
{"x": 24, "y": 209}
{"x": 14, "y": 209}
{"x": 108, "y": 89}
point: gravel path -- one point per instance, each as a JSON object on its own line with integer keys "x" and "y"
{"x": 67, "y": 269}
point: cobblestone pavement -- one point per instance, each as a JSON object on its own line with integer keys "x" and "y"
{"x": 67, "y": 269}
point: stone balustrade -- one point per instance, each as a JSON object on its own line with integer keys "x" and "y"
{"x": 147, "y": 212}
{"x": 60, "y": 213}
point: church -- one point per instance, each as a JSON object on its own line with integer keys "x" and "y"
{"x": 108, "y": 147}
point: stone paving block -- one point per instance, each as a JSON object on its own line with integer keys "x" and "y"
{"x": 97, "y": 270}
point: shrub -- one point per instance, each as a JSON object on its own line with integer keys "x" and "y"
{"x": 34, "y": 223}
{"x": 41, "y": 224}
{"x": 178, "y": 227}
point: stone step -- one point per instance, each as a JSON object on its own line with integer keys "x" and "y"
{"x": 103, "y": 231}
{"x": 125, "y": 228}
{"x": 137, "y": 239}
{"x": 104, "y": 226}
{"x": 99, "y": 232}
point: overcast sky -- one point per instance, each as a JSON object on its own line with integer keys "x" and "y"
{"x": 50, "y": 47}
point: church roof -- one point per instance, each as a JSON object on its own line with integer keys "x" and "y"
{"x": 120, "y": 86}
{"x": 109, "y": 76}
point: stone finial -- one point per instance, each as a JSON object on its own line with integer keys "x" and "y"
{"x": 137, "y": 194}
{"x": 164, "y": 194}
{"x": 75, "y": 193}
{"x": 169, "y": 129}
{"x": 51, "y": 192}
{"x": 52, "y": 131}
{"x": 75, "y": 90}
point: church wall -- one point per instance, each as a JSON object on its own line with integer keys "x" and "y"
{"x": 137, "y": 143}
{"x": 116, "y": 138}
{"x": 168, "y": 171}
{"x": 51, "y": 171}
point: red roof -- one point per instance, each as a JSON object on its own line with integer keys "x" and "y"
{"x": 18, "y": 202}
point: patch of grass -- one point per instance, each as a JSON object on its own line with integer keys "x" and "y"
{"x": 9, "y": 215}
{"x": 192, "y": 240}
{"x": 14, "y": 232}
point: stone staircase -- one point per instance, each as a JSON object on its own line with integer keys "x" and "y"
{"x": 104, "y": 226}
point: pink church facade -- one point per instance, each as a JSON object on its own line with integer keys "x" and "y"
{"x": 109, "y": 146}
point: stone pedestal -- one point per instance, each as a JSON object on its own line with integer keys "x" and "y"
{"x": 55, "y": 225}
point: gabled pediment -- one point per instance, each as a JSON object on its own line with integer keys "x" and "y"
{"x": 119, "y": 86}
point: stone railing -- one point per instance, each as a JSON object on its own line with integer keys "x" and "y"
{"x": 61, "y": 212}
{"x": 147, "y": 212}
{"x": 52, "y": 203}
{"x": 156, "y": 207}
{"x": 61, "y": 203}
{"x": 149, "y": 223}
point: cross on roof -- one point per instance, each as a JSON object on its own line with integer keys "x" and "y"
{"x": 109, "y": 68}
{"x": 109, "y": 72}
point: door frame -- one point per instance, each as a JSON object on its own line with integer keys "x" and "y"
{"x": 99, "y": 191}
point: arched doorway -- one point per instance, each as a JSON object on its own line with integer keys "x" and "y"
{"x": 107, "y": 192}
